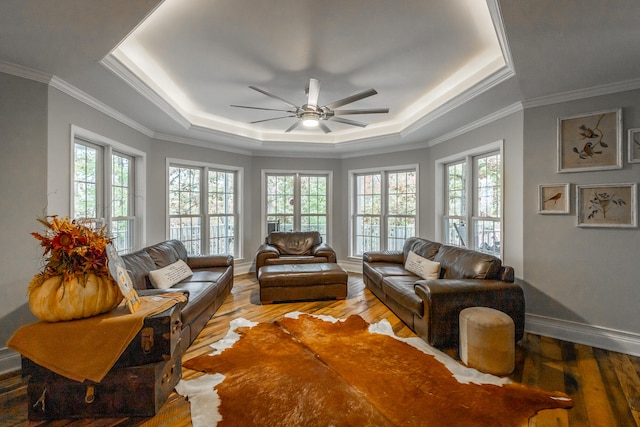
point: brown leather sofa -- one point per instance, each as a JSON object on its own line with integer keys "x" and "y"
{"x": 431, "y": 307}
{"x": 296, "y": 247}
{"x": 206, "y": 289}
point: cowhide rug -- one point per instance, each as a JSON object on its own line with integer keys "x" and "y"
{"x": 316, "y": 371}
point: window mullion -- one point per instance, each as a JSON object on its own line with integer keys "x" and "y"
{"x": 107, "y": 177}
{"x": 204, "y": 211}
{"x": 384, "y": 217}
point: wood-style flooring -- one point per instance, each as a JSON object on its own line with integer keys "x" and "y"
{"x": 604, "y": 385}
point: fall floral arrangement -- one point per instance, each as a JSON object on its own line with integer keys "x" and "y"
{"x": 72, "y": 249}
{"x": 75, "y": 282}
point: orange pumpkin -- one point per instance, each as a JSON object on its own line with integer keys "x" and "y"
{"x": 55, "y": 300}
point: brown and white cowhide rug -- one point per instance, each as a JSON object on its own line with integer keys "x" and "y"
{"x": 306, "y": 370}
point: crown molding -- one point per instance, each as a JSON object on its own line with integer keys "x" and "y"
{"x": 87, "y": 99}
{"x": 578, "y": 94}
{"x": 496, "y": 115}
{"x": 213, "y": 145}
{"x": 25, "y": 72}
{"x": 111, "y": 63}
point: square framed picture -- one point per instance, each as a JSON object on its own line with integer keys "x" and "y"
{"x": 590, "y": 142}
{"x": 634, "y": 145}
{"x": 607, "y": 205}
{"x": 554, "y": 199}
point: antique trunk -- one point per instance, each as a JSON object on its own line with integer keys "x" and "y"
{"x": 156, "y": 341}
{"x": 135, "y": 391}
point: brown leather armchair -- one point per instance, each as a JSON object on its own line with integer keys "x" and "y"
{"x": 297, "y": 247}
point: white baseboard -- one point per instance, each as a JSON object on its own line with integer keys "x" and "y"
{"x": 580, "y": 333}
{"x": 9, "y": 360}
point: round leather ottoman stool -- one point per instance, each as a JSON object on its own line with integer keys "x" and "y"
{"x": 487, "y": 340}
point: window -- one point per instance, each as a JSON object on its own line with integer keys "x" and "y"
{"x": 104, "y": 187}
{"x": 297, "y": 202}
{"x": 385, "y": 209}
{"x": 203, "y": 211}
{"x": 475, "y": 182}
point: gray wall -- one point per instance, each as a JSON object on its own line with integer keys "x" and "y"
{"x": 584, "y": 275}
{"x": 65, "y": 111}
{"x": 570, "y": 274}
{"x": 23, "y": 194}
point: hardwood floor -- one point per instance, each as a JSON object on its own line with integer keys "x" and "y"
{"x": 604, "y": 385}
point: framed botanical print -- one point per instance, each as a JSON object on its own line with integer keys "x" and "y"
{"x": 634, "y": 145}
{"x": 590, "y": 141}
{"x": 553, "y": 199}
{"x": 607, "y": 205}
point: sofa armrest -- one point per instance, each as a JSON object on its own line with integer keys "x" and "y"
{"x": 324, "y": 250}
{"x": 265, "y": 252}
{"x": 396, "y": 257}
{"x": 206, "y": 261}
{"x": 444, "y": 299}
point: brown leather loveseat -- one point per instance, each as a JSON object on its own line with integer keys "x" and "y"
{"x": 206, "y": 289}
{"x": 431, "y": 307}
{"x": 296, "y": 247}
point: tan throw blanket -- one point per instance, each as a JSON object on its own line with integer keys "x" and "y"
{"x": 87, "y": 348}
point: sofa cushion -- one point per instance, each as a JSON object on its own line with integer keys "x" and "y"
{"x": 207, "y": 275}
{"x": 168, "y": 276}
{"x": 138, "y": 265}
{"x": 422, "y": 267}
{"x": 401, "y": 290}
{"x": 167, "y": 252}
{"x": 377, "y": 271}
{"x": 460, "y": 263}
{"x": 425, "y": 248}
{"x": 294, "y": 243}
{"x": 201, "y": 294}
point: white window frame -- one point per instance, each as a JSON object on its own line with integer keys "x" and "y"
{"x": 383, "y": 171}
{"x": 107, "y": 147}
{"x": 470, "y": 215}
{"x": 204, "y": 215}
{"x": 297, "y": 214}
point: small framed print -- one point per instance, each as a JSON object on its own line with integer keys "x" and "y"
{"x": 607, "y": 205}
{"x": 634, "y": 145}
{"x": 589, "y": 142}
{"x": 553, "y": 199}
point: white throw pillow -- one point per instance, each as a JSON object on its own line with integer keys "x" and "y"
{"x": 168, "y": 276}
{"x": 423, "y": 267}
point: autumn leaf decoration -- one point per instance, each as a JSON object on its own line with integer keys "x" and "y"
{"x": 72, "y": 248}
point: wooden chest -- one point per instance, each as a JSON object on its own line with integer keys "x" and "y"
{"x": 135, "y": 391}
{"x": 156, "y": 341}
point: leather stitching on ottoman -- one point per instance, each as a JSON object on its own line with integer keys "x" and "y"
{"x": 302, "y": 282}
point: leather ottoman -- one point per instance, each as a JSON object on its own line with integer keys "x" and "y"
{"x": 302, "y": 282}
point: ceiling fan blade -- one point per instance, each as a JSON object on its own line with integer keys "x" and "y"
{"x": 268, "y": 120}
{"x": 313, "y": 91}
{"x": 353, "y": 98}
{"x": 260, "y": 108}
{"x": 370, "y": 111}
{"x": 273, "y": 96}
{"x": 324, "y": 127}
{"x": 293, "y": 126}
{"x": 348, "y": 122}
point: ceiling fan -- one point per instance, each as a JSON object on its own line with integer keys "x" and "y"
{"x": 311, "y": 114}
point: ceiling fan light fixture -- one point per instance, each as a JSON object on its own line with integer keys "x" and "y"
{"x": 310, "y": 120}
